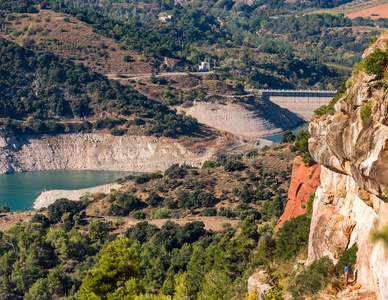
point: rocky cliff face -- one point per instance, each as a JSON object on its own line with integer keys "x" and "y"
{"x": 100, "y": 151}
{"x": 304, "y": 181}
{"x": 352, "y": 146}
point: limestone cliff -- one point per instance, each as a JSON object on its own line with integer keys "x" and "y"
{"x": 351, "y": 144}
{"x": 304, "y": 181}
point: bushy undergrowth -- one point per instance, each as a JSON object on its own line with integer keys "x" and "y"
{"x": 292, "y": 237}
{"x": 365, "y": 112}
{"x": 312, "y": 279}
{"x": 349, "y": 257}
{"x": 375, "y": 63}
{"x": 302, "y": 146}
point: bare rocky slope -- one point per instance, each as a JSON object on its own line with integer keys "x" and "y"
{"x": 102, "y": 151}
{"x": 351, "y": 202}
{"x": 262, "y": 118}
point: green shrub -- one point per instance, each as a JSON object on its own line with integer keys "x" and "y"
{"x": 42, "y": 219}
{"x": 323, "y": 110}
{"x": 329, "y": 109}
{"x": 139, "y": 121}
{"x": 381, "y": 235}
{"x": 4, "y": 209}
{"x": 143, "y": 178}
{"x": 62, "y": 206}
{"x": 209, "y": 212}
{"x": 234, "y": 165}
{"x": 139, "y": 215}
{"x": 349, "y": 257}
{"x": 288, "y": 137}
{"x": 310, "y": 202}
{"x": 312, "y": 279}
{"x": 292, "y": 237}
{"x": 155, "y": 175}
{"x": 375, "y": 63}
{"x": 208, "y": 164}
{"x": 162, "y": 213}
{"x": 252, "y": 153}
{"x": 276, "y": 293}
{"x": 118, "y": 131}
{"x": 125, "y": 203}
{"x": 108, "y": 122}
{"x": 302, "y": 145}
{"x": 372, "y": 40}
{"x": 176, "y": 171}
{"x": 365, "y": 112}
{"x": 154, "y": 199}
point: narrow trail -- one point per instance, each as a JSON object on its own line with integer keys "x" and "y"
{"x": 165, "y": 74}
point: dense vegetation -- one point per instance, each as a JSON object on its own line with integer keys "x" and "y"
{"x": 232, "y": 187}
{"x": 72, "y": 254}
{"x": 46, "y": 91}
{"x": 78, "y": 250}
{"x": 271, "y": 45}
{"x": 302, "y": 146}
{"x": 183, "y": 261}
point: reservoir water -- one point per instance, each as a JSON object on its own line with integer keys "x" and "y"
{"x": 278, "y": 137}
{"x": 19, "y": 190}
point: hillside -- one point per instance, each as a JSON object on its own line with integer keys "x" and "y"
{"x": 206, "y": 203}
{"x": 68, "y": 37}
{"x": 56, "y": 92}
{"x": 130, "y": 44}
{"x": 253, "y": 49}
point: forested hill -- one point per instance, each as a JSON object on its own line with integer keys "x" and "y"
{"x": 300, "y": 4}
{"x": 263, "y": 44}
{"x": 41, "y": 92}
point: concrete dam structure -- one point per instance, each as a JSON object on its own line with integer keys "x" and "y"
{"x": 301, "y": 102}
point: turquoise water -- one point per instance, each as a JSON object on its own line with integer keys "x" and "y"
{"x": 278, "y": 137}
{"x": 19, "y": 190}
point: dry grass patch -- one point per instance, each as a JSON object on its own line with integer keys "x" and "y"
{"x": 66, "y": 36}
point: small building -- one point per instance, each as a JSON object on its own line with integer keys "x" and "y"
{"x": 204, "y": 67}
{"x": 167, "y": 18}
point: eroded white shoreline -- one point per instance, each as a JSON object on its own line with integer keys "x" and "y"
{"x": 48, "y": 197}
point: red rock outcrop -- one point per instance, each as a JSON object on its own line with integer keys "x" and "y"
{"x": 304, "y": 181}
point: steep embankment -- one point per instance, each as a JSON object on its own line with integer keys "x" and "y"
{"x": 350, "y": 141}
{"x": 97, "y": 151}
{"x": 102, "y": 151}
{"x": 304, "y": 181}
{"x": 251, "y": 120}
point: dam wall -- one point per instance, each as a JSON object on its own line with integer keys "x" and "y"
{"x": 301, "y": 102}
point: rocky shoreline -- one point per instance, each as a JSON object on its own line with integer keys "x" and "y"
{"x": 48, "y": 197}
{"x": 96, "y": 151}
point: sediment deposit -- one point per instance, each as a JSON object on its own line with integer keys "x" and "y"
{"x": 103, "y": 151}
{"x": 96, "y": 151}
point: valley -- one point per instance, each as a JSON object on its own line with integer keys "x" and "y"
{"x": 161, "y": 143}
